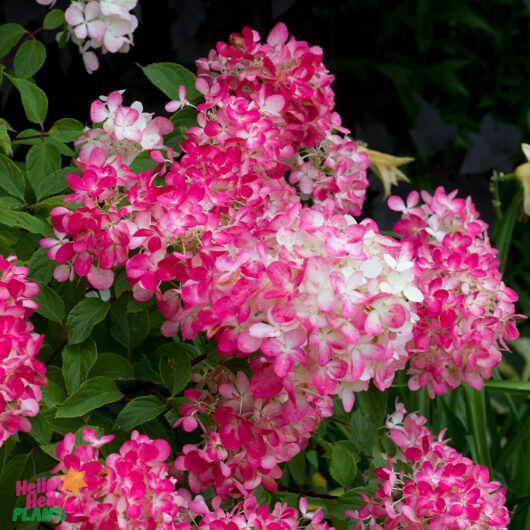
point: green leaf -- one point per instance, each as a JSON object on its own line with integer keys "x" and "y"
{"x": 374, "y": 401}
{"x": 83, "y": 317}
{"x": 364, "y": 433}
{"x": 51, "y": 183}
{"x": 34, "y": 100}
{"x": 23, "y": 220}
{"x": 78, "y": 359}
{"x": 342, "y": 467}
{"x": 113, "y": 366}
{"x": 19, "y": 467}
{"x": 512, "y": 387}
{"x": 10, "y": 203}
{"x": 503, "y": 238}
{"x": 92, "y": 394}
{"x": 41, "y": 161}
{"x": 53, "y": 202}
{"x": 51, "y": 305}
{"x": 12, "y": 180}
{"x": 144, "y": 371}
{"x": 351, "y": 500}
{"x": 129, "y": 329}
{"x": 5, "y": 140}
{"x": 53, "y": 19}
{"x": 34, "y": 137}
{"x": 10, "y": 34}
{"x": 169, "y": 76}
{"x": 174, "y": 367}
{"x": 41, "y": 267}
{"x": 297, "y": 468}
{"x": 29, "y": 58}
{"x": 476, "y": 418}
{"x": 67, "y": 130}
{"x": 139, "y": 410}
{"x": 41, "y": 429}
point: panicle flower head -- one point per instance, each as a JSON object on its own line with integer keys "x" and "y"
{"x": 105, "y": 24}
{"x": 21, "y": 374}
{"x": 428, "y": 484}
{"x": 467, "y": 313}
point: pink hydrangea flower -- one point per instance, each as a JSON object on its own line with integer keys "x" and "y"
{"x": 427, "y": 484}
{"x": 467, "y": 313}
{"x": 21, "y": 374}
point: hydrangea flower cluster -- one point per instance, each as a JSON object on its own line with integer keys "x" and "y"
{"x": 124, "y": 133}
{"x": 467, "y": 310}
{"x": 428, "y": 484}
{"x": 21, "y": 374}
{"x": 133, "y": 489}
{"x": 105, "y": 24}
{"x": 252, "y": 428}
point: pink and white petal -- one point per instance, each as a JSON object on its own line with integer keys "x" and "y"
{"x": 81, "y": 31}
{"x": 100, "y": 279}
{"x": 278, "y": 34}
{"x": 74, "y": 16}
{"x": 91, "y": 62}
{"x": 97, "y": 29}
{"x": 91, "y": 11}
{"x": 98, "y": 111}
{"x": 396, "y": 203}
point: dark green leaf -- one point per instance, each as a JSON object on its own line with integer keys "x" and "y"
{"x": 51, "y": 183}
{"x": 113, "y": 366}
{"x": 169, "y": 76}
{"x": 364, "y": 433}
{"x": 67, "y": 130}
{"x": 512, "y": 387}
{"x": 41, "y": 429}
{"x": 12, "y": 180}
{"x": 374, "y": 401}
{"x": 139, "y": 410}
{"x": 83, "y": 317}
{"x": 10, "y": 34}
{"x": 23, "y": 220}
{"x": 78, "y": 359}
{"x": 42, "y": 160}
{"x": 297, "y": 468}
{"x": 20, "y": 467}
{"x": 174, "y": 367}
{"x": 129, "y": 329}
{"x": 144, "y": 371}
{"x": 351, "y": 500}
{"x": 29, "y": 58}
{"x": 53, "y": 19}
{"x": 41, "y": 267}
{"x": 92, "y": 394}
{"x": 34, "y": 100}
{"x": 51, "y": 305}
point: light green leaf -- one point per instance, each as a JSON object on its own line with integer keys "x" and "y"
{"x": 12, "y": 180}
{"x": 92, "y": 394}
{"x": 10, "y": 203}
{"x": 29, "y": 58}
{"x": 78, "y": 359}
{"x": 83, "y": 317}
{"x": 53, "y": 19}
{"x": 174, "y": 367}
{"x": 41, "y": 161}
{"x": 5, "y": 140}
{"x": 67, "y": 130}
{"x": 34, "y": 100}
{"x": 51, "y": 305}
{"x": 169, "y": 76}
{"x": 10, "y": 34}
{"x": 342, "y": 467}
{"x": 23, "y": 220}
{"x": 512, "y": 387}
{"x": 139, "y": 410}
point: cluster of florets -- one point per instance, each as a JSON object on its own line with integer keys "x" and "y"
{"x": 124, "y": 132}
{"x": 21, "y": 374}
{"x": 132, "y": 489}
{"x": 428, "y": 484}
{"x": 467, "y": 309}
{"x": 252, "y": 427}
{"x": 249, "y": 514}
{"x": 105, "y": 24}
{"x": 315, "y": 292}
